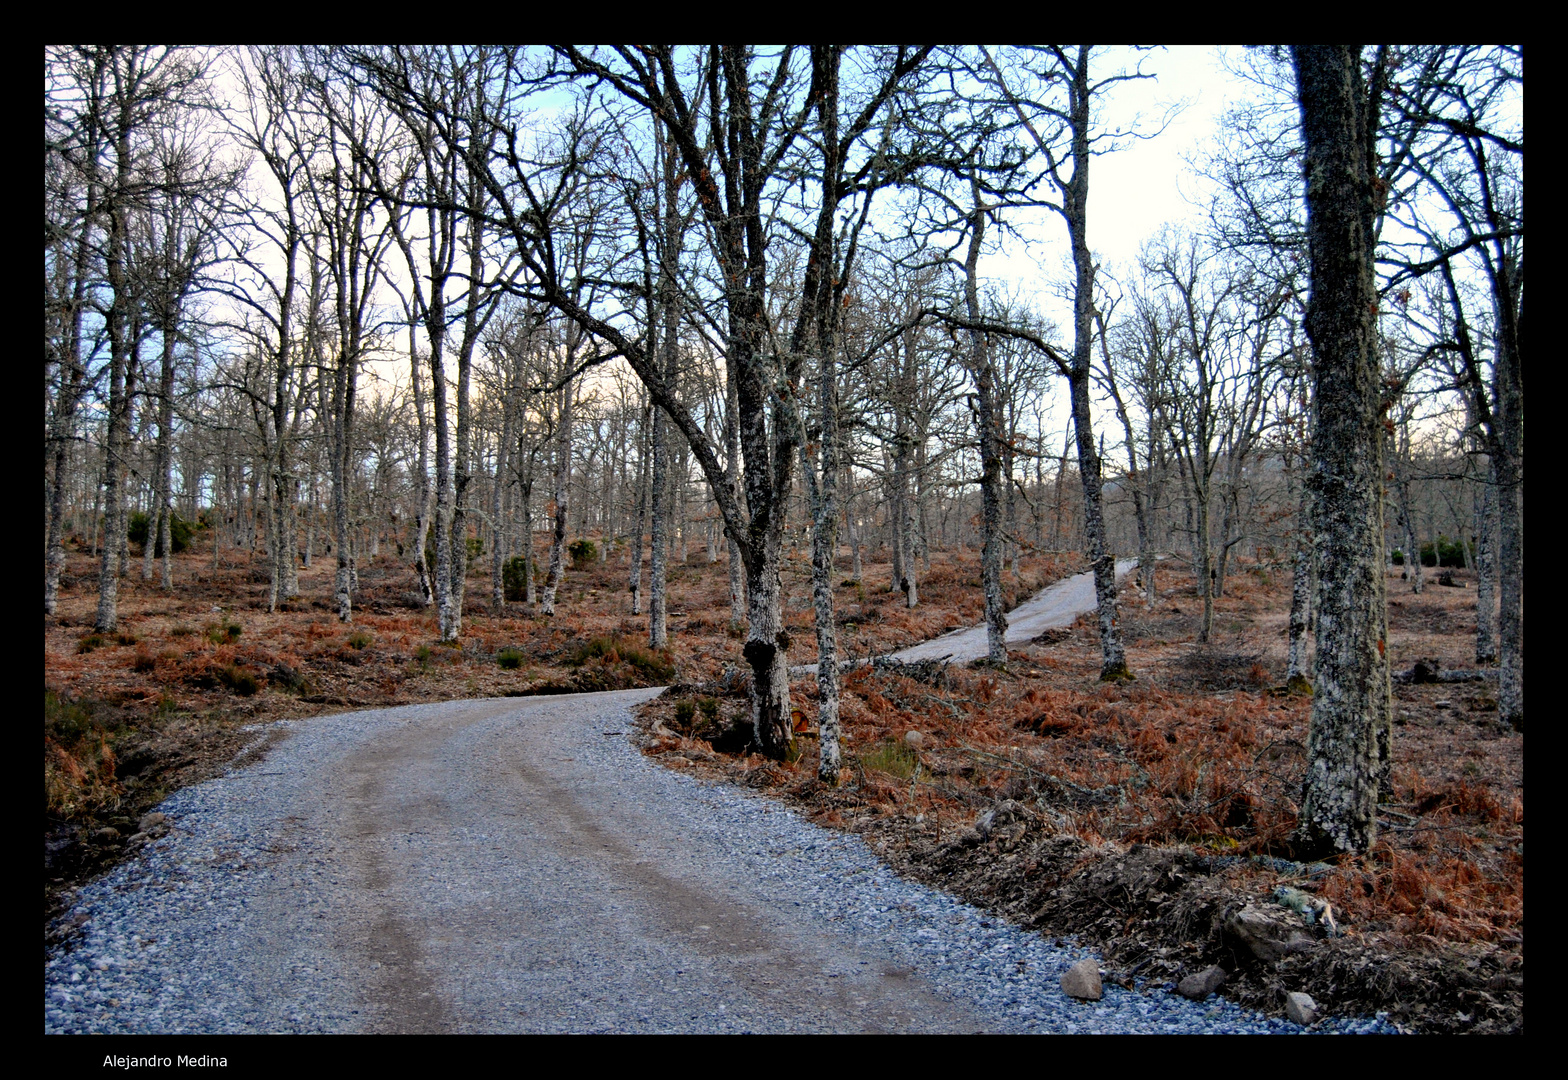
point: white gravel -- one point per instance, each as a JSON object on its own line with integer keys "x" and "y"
{"x": 508, "y": 866}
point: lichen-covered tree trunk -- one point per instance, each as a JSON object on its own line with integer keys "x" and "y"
{"x": 1486, "y": 570}
{"x": 563, "y": 477}
{"x": 634, "y": 566}
{"x": 422, "y": 508}
{"x": 1297, "y": 678}
{"x": 985, "y": 411}
{"x": 120, "y": 346}
{"x": 1075, "y": 206}
{"x": 530, "y": 585}
{"x": 1412, "y": 545}
{"x": 1348, "y": 742}
{"x": 1205, "y": 563}
{"x": 498, "y": 508}
{"x": 1509, "y": 466}
{"x": 659, "y": 539}
{"x": 732, "y": 478}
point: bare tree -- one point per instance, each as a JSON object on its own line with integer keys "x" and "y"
{"x": 1350, "y": 733}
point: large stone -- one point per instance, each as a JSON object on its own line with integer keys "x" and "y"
{"x": 1082, "y": 980}
{"x": 1008, "y": 812}
{"x": 915, "y": 740}
{"x": 1201, "y": 984}
{"x": 151, "y": 821}
{"x": 1301, "y": 1009}
{"x": 1267, "y": 935}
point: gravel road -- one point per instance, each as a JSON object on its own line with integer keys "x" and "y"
{"x": 1053, "y": 606}
{"x": 516, "y": 865}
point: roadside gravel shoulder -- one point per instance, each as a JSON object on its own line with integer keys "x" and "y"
{"x": 254, "y": 914}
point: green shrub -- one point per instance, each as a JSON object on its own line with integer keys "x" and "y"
{"x": 709, "y": 707}
{"x": 422, "y": 655}
{"x": 512, "y": 578}
{"x": 180, "y": 532}
{"x": 90, "y": 642}
{"x": 1397, "y": 557}
{"x": 583, "y": 552}
{"x": 1446, "y": 552}
{"x": 510, "y": 659}
{"x": 684, "y": 712}
{"x": 359, "y": 639}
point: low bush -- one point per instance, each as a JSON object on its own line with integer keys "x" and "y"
{"x": 510, "y": 659}
{"x": 226, "y": 632}
{"x": 1445, "y": 552}
{"x": 512, "y": 578}
{"x": 79, "y": 761}
{"x": 238, "y": 680}
{"x": 654, "y": 666}
{"x": 180, "y": 532}
{"x": 583, "y": 553}
{"x": 359, "y": 639}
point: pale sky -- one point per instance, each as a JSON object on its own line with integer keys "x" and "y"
{"x": 1144, "y": 185}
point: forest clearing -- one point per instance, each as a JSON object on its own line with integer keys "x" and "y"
{"x": 1130, "y": 815}
{"x": 381, "y": 379}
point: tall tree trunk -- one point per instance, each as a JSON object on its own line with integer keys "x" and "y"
{"x": 985, "y": 412}
{"x": 732, "y": 477}
{"x": 120, "y": 346}
{"x": 1509, "y": 466}
{"x": 563, "y": 478}
{"x": 1486, "y": 570}
{"x": 643, "y": 470}
{"x": 658, "y": 536}
{"x": 422, "y": 508}
{"x": 1297, "y": 678}
{"x": 1350, "y": 733}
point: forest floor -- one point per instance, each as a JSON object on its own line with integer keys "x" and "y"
{"x": 1150, "y": 819}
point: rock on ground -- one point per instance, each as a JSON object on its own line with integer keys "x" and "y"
{"x": 1301, "y": 1009}
{"x": 1082, "y": 980}
{"x": 1201, "y": 984}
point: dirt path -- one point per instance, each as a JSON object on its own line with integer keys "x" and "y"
{"x": 505, "y": 884}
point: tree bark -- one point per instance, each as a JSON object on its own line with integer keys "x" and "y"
{"x": 1486, "y": 570}
{"x": 985, "y": 412}
{"x": 563, "y": 478}
{"x": 1349, "y": 738}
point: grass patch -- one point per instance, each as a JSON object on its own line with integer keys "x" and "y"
{"x": 226, "y": 632}
{"x": 238, "y": 680}
{"x": 892, "y": 756}
{"x": 359, "y": 639}
{"x": 78, "y": 757}
{"x": 510, "y": 659}
{"x": 89, "y": 642}
{"x": 615, "y": 650}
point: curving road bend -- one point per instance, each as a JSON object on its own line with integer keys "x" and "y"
{"x": 516, "y": 865}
